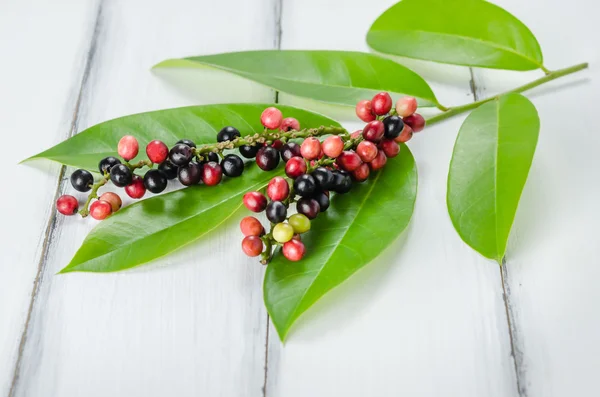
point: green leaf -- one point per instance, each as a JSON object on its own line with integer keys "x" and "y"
{"x": 154, "y": 227}
{"x": 353, "y": 231}
{"x": 491, "y": 159}
{"x": 462, "y": 32}
{"x": 339, "y": 77}
{"x": 198, "y": 123}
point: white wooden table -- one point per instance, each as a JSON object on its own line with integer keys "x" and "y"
{"x": 429, "y": 317}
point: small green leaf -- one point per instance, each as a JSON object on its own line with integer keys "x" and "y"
{"x": 462, "y": 32}
{"x": 491, "y": 159}
{"x": 339, "y": 77}
{"x": 353, "y": 231}
{"x": 198, "y": 123}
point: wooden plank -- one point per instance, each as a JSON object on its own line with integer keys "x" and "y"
{"x": 427, "y": 317}
{"x": 194, "y": 322}
{"x": 42, "y": 47}
{"x": 552, "y": 267}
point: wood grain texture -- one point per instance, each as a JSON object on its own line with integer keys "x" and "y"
{"x": 36, "y": 111}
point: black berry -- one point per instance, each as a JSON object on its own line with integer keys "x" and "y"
{"x": 232, "y": 165}
{"x": 169, "y": 169}
{"x": 249, "y": 151}
{"x": 267, "y": 158}
{"x": 82, "y": 180}
{"x": 190, "y": 174}
{"x": 305, "y": 185}
{"x": 308, "y": 207}
{"x": 180, "y": 154}
{"x": 187, "y": 142}
{"x": 290, "y": 150}
{"x": 227, "y": 134}
{"x": 107, "y": 163}
{"x": 323, "y": 199}
{"x": 212, "y": 156}
{"x": 276, "y": 211}
{"x": 342, "y": 182}
{"x": 121, "y": 175}
{"x": 323, "y": 177}
{"x": 393, "y": 126}
{"x": 155, "y": 181}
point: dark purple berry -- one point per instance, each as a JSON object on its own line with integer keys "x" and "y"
{"x": 276, "y": 211}
{"x": 342, "y": 182}
{"x": 82, "y": 180}
{"x": 155, "y": 181}
{"x": 249, "y": 151}
{"x": 305, "y": 185}
{"x": 323, "y": 177}
{"x": 290, "y": 150}
{"x": 180, "y": 154}
{"x": 267, "y": 158}
{"x": 187, "y": 142}
{"x": 121, "y": 175}
{"x": 212, "y": 156}
{"x": 308, "y": 207}
{"x": 228, "y": 134}
{"x": 169, "y": 169}
{"x": 107, "y": 163}
{"x": 323, "y": 199}
{"x": 232, "y": 165}
{"x": 190, "y": 174}
{"x": 393, "y": 126}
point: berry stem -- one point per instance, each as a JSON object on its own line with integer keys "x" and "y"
{"x": 139, "y": 164}
{"x": 550, "y": 75}
{"x": 93, "y": 194}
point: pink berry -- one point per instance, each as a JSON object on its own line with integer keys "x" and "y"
{"x": 416, "y": 122}
{"x": 252, "y": 245}
{"x": 271, "y": 118}
{"x": 113, "y": 199}
{"x": 405, "y": 135}
{"x": 310, "y": 148}
{"x": 373, "y": 131}
{"x": 278, "y": 189}
{"x": 356, "y": 134}
{"x": 255, "y": 201}
{"x": 289, "y": 123}
{"x": 406, "y": 106}
{"x": 295, "y": 167}
{"x": 348, "y": 161}
{"x": 381, "y": 103}
{"x": 367, "y": 151}
{"x": 128, "y": 147}
{"x": 333, "y": 146}
{"x": 67, "y": 205}
{"x": 157, "y": 151}
{"x": 364, "y": 111}
{"x": 293, "y": 250}
{"x": 212, "y": 173}
{"x": 136, "y": 188}
{"x": 250, "y": 226}
{"x": 100, "y": 210}
{"x": 390, "y": 148}
{"x": 361, "y": 174}
{"x": 378, "y": 162}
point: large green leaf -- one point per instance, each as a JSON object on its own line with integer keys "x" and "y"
{"x": 489, "y": 167}
{"x": 463, "y": 32}
{"x": 154, "y": 227}
{"x": 353, "y": 231}
{"x": 198, "y": 123}
{"x": 340, "y": 77}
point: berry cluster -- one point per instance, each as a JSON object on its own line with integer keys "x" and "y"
{"x": 318, "y": 168}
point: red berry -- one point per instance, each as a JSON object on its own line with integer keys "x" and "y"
{"x": 295, "y": 167}
{"x": 157, "y": 151}
{"x": 406, "y": 106}
{"x": 250, "y": 226}
{"x": 356, "y": 134}
{"x": 378, "y": 162}
{"x": 348, "y": 161}
{"x": 128, "y": 147}
{"x": 271, "y": 118}
{"x": 278, "y": 189}
{"x": 67, "y": 205}
{"x": 289, "y": 123}
{"x": 416, "y": 122}
{"x": 373, "y": 131}
{"x": 310, "y": 148}
{"x": 364, "y": 111}
{"x": 293, "y": 250}
{"x": 390, "y": 148}
{"x": 405, "y": 135}
{"x": 113, "y": 199}
{"x": 381, "y": 103}
{"x": 277, "y": 144}
{"x": 361, "y": 174}
{"x": 333, "y": 146}
{"x": 100, "y": 210}
{"x": 136, "y": 189}
{"x": 255, "y": 201}
{"x": 367, "y": 151}
{"x": 252, "y": 245}
{"x": 211, "y": 173}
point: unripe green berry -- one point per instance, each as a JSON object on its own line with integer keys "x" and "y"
{"x": 283, "y": 232}
{"x": 300, "y": 223}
